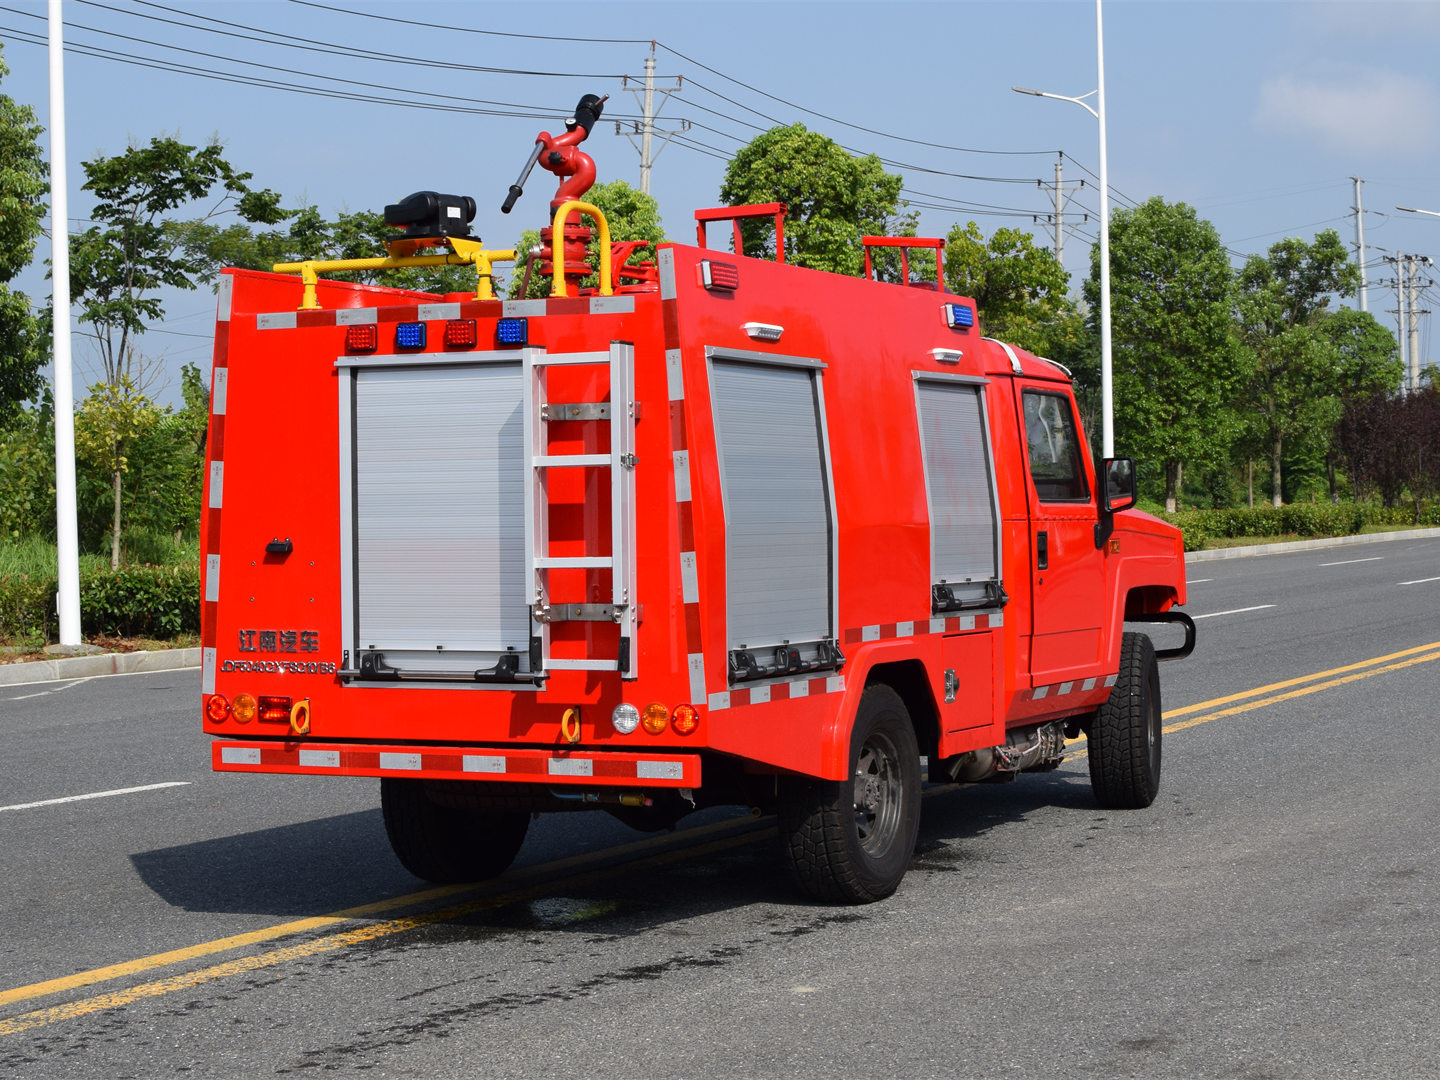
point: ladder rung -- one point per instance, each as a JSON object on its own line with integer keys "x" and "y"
{"x": 553, "y": 461}
{"x": 577, "y": 562}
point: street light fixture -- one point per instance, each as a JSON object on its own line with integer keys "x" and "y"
{"x": 1107, "y": 404}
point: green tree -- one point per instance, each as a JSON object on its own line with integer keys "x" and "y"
{"x": 107, "y": 425}
{"x": 1019, "y": 289}
{"x": 119, "y": 265}
{"x": 1292, "y": 365}
{"x": 24, "y": 341}
{"x": 631, "y": 215}
{"x": 1174, "y": 366}
{"x": 1367, "y": 362}
{"x": 832, "y": 198}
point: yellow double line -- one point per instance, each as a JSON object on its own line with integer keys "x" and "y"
{"x": 638, "y": 855}
{"x": 1300, "y": 687}
{"x": 1275, "y": 693}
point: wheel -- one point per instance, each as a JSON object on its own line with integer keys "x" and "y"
{"x": 1124, "y": 740}
{"x": 447, "y": 844}
{"x": 850, "y": 841}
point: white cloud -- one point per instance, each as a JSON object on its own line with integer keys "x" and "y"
{"x": 1358, "y": 110}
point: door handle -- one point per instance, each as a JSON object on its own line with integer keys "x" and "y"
{"x": 1042, "y": 550}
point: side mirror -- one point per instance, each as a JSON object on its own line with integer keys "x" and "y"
{"x": 1117, "y": 494}
{"x": 1119, "y": 484}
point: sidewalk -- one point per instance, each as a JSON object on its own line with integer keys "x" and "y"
{"x": 86, "y": 667}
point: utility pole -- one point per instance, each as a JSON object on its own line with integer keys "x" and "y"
{"x": 1061, "y": 197}
{"x": 1408, "y": 311}
{"x": 1415, "y": 312}
{"x": 1399, "y": 261}
{"x": 1359, "y": 209}
{"x": 645, "y": 128}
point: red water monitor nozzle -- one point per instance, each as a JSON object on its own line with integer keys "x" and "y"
{"x": 561, "y": 155}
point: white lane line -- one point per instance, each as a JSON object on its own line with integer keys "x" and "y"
{"x": 1348, "y": 562}
{"x": 96, "y": 795}
{"x": 1233, "y": 611}
{"x": 1198, "y": 580}
{"x": 1421, "y": 581}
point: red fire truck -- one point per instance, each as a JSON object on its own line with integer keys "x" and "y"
{"x": 711, "y": 530}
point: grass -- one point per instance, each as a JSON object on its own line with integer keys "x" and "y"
{"x": 38, "y": 556}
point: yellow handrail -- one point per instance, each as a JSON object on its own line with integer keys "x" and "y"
{"x": 465, "y": 253}
{"x": 557, "y": 246}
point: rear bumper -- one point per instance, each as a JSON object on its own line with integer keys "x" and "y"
{"x": 592, "y": 768}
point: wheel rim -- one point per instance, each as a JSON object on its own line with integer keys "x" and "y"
{"x": 878, "y": 794}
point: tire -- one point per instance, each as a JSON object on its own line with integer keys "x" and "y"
{"x": 1124, "y": 739}
{"x": 850, "y": 841}
{"x": 447, "y": 844}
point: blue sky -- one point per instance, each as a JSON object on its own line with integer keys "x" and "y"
{"x": 1255, "y": 113}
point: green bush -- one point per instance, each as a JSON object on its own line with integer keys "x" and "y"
{"x": 27, "y": 606}
{"x": 1305, "y": 519}
{"x": 134, "y": 601}
{"x": 150, "y": 601}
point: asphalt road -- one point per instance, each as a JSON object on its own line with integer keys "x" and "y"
{"x": 1274, "y": 914}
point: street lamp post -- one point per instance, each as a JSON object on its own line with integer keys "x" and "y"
{"x": 1107, "y": 404}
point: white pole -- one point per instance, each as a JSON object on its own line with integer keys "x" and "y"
{"x": 648, "y": 129}
{"x": 1360, "y": 244}
{"x": 1400, "y": 314}
{"x": 1059, "y": 212}
{"x": 66, "y": 532}
{"x": 1107, "y": 402}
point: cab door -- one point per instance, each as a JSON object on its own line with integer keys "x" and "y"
{"x": 1068, "y": 571}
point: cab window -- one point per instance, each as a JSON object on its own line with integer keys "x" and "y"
{"x": 1056, "y": 465}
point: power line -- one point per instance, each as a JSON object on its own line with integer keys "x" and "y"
{"x": 290, "y": 41}
{"x": 430, "y": 25}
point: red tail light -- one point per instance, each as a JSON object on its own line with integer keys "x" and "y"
{"x": 275, "y": 709}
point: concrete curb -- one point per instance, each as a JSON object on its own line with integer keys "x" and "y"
{"x": 86, "y": 667}
{"x": 1307, "y": 545}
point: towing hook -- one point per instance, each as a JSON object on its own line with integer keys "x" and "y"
{"x": 570, "y": 725}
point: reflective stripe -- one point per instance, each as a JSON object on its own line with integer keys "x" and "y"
{"x": 356, "y": 316}
{"x": 660, "y": 770}
{"x": 276, "y": 320}
{"x": 217, "y": 484}
{"x": 426, "y": 312}
{"x": 667, "y": 274}
{"x": 483, "y": 763}
{"x": 320, "y": 759}
{"x": 207, "y": 671}
{"x": 682, "y": 476}
{"x": 212, "y": 578}
{"x": 697, "y": 677}
{"x": 674, "y": 375}
{"x": 408, "y": 762}
{"x": 689, "y": 578}
{"x": 223, "y": 293}
{"x": 612, "y": 305}
{"x": 219, "y": 383}
{"x": 240, "y": 755}
{"x": 570, "y": 767}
